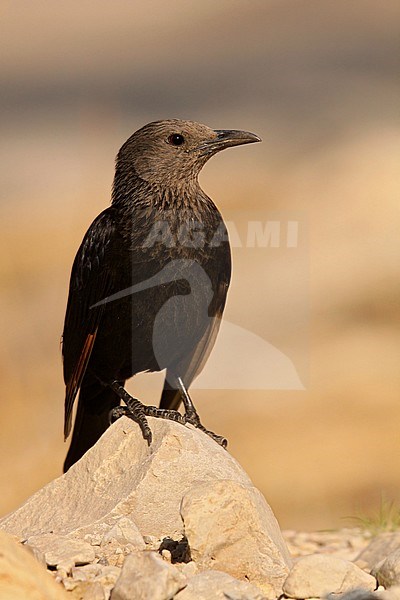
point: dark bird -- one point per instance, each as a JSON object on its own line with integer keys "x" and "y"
{"x": 149, "y": 283}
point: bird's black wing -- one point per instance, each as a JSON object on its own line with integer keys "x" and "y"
{"x": 192, "y": 365}
{"x": 91, "y": 281}
{"x": 196, "y": 363}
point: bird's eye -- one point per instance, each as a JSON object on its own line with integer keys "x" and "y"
{"x": 176, "y": 139}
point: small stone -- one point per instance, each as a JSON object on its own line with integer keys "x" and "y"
{"x": 166, "y": 554}
{"x": 94, "y": 539}
{"x": 388, "y": 574}
{"x": 112, "y": 554}
{"x": 103, "y": 576}
{"x": 215, "y": 585}
{"x": 62, "y": 552}
{"x": 179, "y": 550}
{"x": 152, "y": 542}
{"x": 316, "y": 575}
{"x": 146, "y": 576}
{"x": 188, "y": 569}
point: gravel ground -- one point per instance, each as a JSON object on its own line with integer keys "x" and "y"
{"x": 342, "y": 543}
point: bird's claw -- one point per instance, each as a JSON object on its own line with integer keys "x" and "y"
{"x": 134, "y": 410}
{"x": 193, "y": 418}
{"x": 137, "y": 414}
{"x": 221, "y": 440}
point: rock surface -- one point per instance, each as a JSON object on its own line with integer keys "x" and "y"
{"x": 215, "y": 585}
{"x": 230, "y": 528}
{"x": 316, "y": 575}
{"x": 124, "y": 497}
{"x": 122, "y": 476}
{"x": 345, "y": 543}
{"x": 179, "y": 520}
{"x": 22, "y": 577}
{"x": 60, "y": 551}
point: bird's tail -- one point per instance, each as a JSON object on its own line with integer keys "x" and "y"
{"x": 92, "y": 419}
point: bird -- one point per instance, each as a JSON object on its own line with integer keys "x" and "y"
{"x": 148, "y": 285}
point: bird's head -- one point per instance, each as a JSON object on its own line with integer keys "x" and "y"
{"x": 165, "y": 153}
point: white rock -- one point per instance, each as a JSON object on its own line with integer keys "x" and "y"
{"x": 388, "y": 573}
{"x": 230, "y": 528}
{"x": 60, "y": 550}
{"x": 317, "y": 575}
{"x": 22, "y": 577}
{"x": 122, "y": 476}
{"x": 146, "y": 576}
{"x": 215, "y": 585}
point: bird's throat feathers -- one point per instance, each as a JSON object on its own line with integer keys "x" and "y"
{"x": 131, "y": 189}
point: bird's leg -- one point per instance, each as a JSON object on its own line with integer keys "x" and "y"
{"x": 191, "y": 415}
{"x": 138, "y": 412}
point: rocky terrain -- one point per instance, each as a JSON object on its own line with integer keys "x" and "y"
{"x": 179, "y": 519}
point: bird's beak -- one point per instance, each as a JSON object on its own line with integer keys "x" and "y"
{"x": 225, "y": 138}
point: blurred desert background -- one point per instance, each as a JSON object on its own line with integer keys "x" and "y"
{"x": 317, "y": 81}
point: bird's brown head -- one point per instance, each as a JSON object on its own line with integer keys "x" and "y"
{"x": 166, "y": 153}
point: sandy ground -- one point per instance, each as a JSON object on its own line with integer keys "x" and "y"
{"x": 317, "y": 82}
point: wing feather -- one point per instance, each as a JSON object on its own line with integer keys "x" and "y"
{"x": 91, "y": 281}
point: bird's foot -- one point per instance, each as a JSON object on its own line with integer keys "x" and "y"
{"x": 191, "y": 416}
{"x": 134, "y": 410}
{"x": 139, "y": 412}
